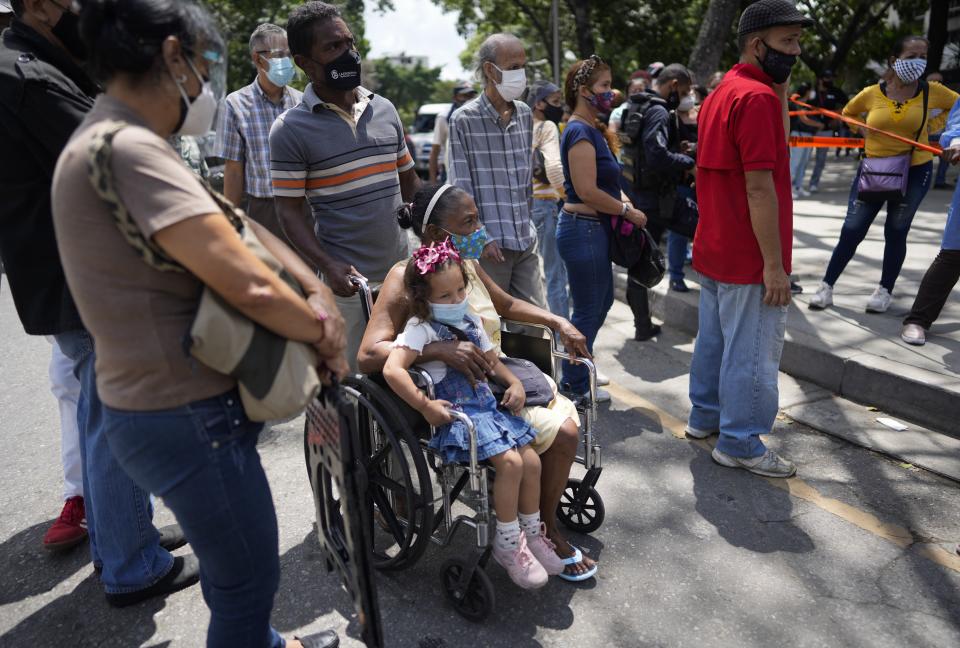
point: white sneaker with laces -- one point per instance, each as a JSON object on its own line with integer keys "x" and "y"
{"x": 913, "y": 334}
{"x": 879, "y": 301}
{"x": 823, "y": 297}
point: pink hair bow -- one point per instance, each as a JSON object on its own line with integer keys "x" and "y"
{"x": 430, "y": 257}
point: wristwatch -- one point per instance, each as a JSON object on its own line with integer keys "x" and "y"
{"x": 623, "y": 209}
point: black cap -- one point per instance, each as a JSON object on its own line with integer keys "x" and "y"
{"x": 463, "y": 87}
{"x": 770, "y": 13}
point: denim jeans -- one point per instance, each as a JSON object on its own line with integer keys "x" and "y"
{"x": 799, "y": 158}
{"x": 820, "y": 159}
{"x": 123, "y": 540}
{"x": 733, "y": 375}
{"x": 676, "y": 255}
{"x": 584, "y": 246}
{"x": 544, "y": 217}
{"x": 202, "y": 459}
{"x": 860, "y": 215}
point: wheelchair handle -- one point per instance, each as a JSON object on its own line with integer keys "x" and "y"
{"x": 366, "y": 295}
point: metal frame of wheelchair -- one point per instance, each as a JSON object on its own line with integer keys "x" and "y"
{"x": 395, "y": 457}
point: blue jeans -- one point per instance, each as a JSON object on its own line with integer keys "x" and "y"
{"x": 544, "y": 217}
{"x": 584, "y": 246}
{"x": 860, "y": 215}
{"x": 820, "y": 160}
{"x": 202, "y": 459}
{"x": 733, "y": 375}
{"x": 123, "y": 540}
{"x": 799, "y": 158}
{"x": 676, "y": 255}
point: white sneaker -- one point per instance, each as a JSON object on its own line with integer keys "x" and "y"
{"x": 913, "y": 334}
{"x": 803, "y": 192}
{"x": 814, "y": 189}
{"x": 823, "y": 297}
{"x": 879, "y": 301}
{"x": 602, "y": 379}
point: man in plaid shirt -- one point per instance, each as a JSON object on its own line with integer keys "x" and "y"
{"x": 490, "y": 145}
{"x": 243, "y": 134}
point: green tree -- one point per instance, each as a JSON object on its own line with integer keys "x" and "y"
{"x": 407, "y": 86}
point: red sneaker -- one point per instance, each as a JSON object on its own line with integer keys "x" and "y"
{"x": 70, "y": 529}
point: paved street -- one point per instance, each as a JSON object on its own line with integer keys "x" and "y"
{"x": 855, "y": 551}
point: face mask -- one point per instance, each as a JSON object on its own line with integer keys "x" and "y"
{"x": 686, "y": 104}
{"x": 343, "y": 72}
{"x": 196, "y": 115}
{"x": 553, "y": 113}
{"x": 451, "y": 314}
{"x": 602, "y": 101}
{"x": 67, "y": 30}
{"x": 777, "y": 65}
{"x": 673, "y": 101}
{"x": 512, "y": 84}
{"x": 470, "y": 245}
{"x": 909, "y": 70}
{"x": 281, "y": 71}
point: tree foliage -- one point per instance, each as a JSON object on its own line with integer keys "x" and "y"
{"x": 408, "y": 86}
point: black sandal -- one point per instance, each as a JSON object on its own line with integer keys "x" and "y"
{"x": 325, "y": 639}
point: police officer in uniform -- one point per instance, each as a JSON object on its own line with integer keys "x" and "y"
{"x": 653, "y": 167}
{"x": 44, "y": 95}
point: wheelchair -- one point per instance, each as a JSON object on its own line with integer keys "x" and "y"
{"x": 398, "y": 465}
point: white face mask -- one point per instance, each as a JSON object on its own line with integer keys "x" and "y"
{"x": 512, "y": 83}
{"x": 201, "y": 111}
{"x": 687, "y": 104}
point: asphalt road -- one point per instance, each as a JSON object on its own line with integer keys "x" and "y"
{"x": 855, "y": 551}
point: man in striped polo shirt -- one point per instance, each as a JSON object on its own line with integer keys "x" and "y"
{"x": 343, "y": 150}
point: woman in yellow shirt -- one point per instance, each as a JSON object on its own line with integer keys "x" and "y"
{"x": 897, "y": 107}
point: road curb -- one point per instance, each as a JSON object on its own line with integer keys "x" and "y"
{"x": 917, "y": 395}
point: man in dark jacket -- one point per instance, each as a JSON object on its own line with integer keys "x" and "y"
{"x": 655, "y": 167}
{"x": 44, "y": 95}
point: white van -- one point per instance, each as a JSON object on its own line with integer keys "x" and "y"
{"x": 421, "y": 133}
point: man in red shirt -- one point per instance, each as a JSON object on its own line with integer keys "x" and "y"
{"x": 743, "y": 243}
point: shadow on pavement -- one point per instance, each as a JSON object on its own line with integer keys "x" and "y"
{"x": 28, "y": 569}
{"x": 81, "y": 618}
{"x": 746, "y": 512}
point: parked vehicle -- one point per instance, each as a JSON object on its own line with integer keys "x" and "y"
{"x": 421, "y": 133}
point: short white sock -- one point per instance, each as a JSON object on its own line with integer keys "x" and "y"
{"x": 530, "y": 523}
{"x": 508, "y": 535}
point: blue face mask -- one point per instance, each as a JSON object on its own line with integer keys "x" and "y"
{"x": 470, "y": 245}
{"x": 281, "y": 71}
{"x": 451, "y": 314}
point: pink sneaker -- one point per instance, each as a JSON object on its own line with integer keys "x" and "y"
{"x": 521, "y": 566}
{"x": 545, "y": 552}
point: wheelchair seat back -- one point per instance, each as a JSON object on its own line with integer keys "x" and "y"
{"x": 526, "y": 347}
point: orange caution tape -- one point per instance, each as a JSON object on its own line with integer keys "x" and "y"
{"x": 797, "y": 113}
{"x": 826, "y": 142}
{"x": 859, "y": 124}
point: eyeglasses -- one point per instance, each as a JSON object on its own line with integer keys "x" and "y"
{"x": 274, "y": 53}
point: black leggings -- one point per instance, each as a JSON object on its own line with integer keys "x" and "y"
{"x": 939, "y": 280}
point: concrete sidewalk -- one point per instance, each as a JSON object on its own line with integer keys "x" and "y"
{"x": 844, "y": 349}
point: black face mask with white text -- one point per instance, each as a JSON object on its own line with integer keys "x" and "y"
{"x": 343, "y": 72}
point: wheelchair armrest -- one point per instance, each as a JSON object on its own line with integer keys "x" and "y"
{"x": 366, "y": 295}
{"x": 422, "y": 380}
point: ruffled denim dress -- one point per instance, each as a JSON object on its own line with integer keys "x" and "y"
{"x": 497, "y": 432}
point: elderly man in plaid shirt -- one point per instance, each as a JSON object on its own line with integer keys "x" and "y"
{"x": 490, "y": 145}
{"x": 243, "y": 134}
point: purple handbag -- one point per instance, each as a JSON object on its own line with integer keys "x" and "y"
{"x": 883, "y": 178}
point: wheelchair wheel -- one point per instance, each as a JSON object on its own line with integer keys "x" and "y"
{"x": 581, "y": 508}
{"x": 476, "y": 600}
{"x": 397, "y": 476}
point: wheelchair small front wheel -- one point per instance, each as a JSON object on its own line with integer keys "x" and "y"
{"x": 581, "y": 507}
{"x": 473, "y": 600}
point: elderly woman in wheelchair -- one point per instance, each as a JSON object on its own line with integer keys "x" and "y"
{"x": 439, "y": 213}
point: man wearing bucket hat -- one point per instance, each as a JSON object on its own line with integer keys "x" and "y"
{"x": 743, "y": 243}
{"x": 463, "y": 92}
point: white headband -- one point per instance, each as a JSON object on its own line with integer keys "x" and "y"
{"x": 433, "y": 202}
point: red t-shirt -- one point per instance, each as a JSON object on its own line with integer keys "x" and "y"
{"x": 740, "y": 129}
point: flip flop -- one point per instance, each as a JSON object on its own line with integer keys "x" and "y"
{"x": 573, "y": 560}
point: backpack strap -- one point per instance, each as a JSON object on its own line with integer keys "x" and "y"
{"x": 926, "y": 101}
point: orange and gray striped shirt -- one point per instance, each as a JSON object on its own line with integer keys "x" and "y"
{"x": 347, "y": 166}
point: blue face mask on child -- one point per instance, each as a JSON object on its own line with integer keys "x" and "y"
{"x": 470, "y": 246}
{"x": 451, "y": 314}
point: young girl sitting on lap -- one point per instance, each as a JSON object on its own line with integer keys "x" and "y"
{"x": 436, "y": 286}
